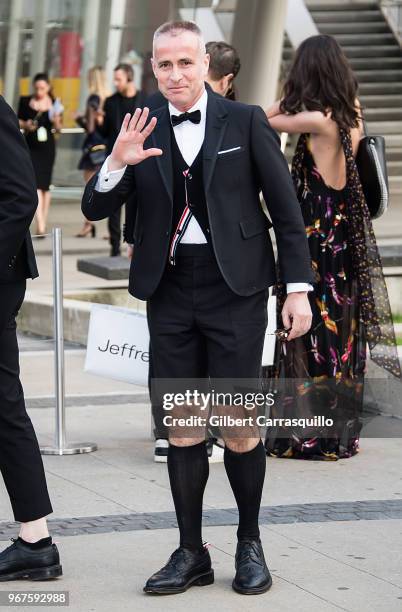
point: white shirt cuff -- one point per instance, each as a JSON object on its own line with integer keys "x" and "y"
{"x": 294, "y": 287}
{"x": 107, "y": 180}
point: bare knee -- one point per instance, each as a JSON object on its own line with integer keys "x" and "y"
{"x": 185, "y": 441}
{"x": 241, "y": 445}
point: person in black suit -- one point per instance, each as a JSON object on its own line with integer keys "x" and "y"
{"x": 126, "y": 99}
{"x": 32, "y": 554}
{"x": 203, "y": 260}
{"x": 224, "y": 65}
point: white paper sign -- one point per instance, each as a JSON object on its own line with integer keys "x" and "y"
{"x": 270, "y": 339}
{"x": 118, "y": 344}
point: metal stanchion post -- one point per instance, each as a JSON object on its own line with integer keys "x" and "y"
{"x": 61, "y": 447}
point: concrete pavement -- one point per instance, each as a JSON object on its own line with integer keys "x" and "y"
{"x": 324, "y": 559}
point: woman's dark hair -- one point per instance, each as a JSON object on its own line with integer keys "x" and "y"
{"x": 224, "y": 60}
{"x": 41, "y": 76}
{"x": 321, "y": 79}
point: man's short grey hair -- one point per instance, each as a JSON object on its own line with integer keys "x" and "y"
{"x": 174, "y": 28}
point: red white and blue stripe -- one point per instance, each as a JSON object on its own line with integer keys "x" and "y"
{"x": 182, "y": 224}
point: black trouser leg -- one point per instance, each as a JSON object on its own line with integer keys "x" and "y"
{"x": 20, "y": 459}
{"x": 114, "y": 226}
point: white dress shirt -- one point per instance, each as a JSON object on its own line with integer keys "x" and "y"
{"x": 189, "y": 137}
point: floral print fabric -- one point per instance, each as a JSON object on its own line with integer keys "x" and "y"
{"x": 324, "y": 370}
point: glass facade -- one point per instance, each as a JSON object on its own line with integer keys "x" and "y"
{"x": 66, "y": 37}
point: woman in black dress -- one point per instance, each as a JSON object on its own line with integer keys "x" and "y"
{"x": 324, "y": 369}
{"x": 94, "y": 145}
{"x": 40, "y": 117}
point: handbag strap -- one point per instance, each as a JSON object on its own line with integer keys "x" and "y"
{"x": 364, "y": 123}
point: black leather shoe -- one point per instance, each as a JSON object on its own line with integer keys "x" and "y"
{"x": 184, "y": 569}
{"x": 20, "y": 561}
{"x": 252, "y": 574}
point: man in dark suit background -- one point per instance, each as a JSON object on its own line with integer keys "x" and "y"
{"x": 125, "y": 100}
{"x": 32, "y": 555}
{"x": 203, "y": 260}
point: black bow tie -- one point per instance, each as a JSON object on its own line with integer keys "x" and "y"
{"x": 194, "y": 117}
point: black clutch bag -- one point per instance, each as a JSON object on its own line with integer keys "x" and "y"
{"x": 372, "y": 167}
{"x": 97, "y": 154}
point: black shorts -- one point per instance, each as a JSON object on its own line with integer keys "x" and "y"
{"x": 199, "y": 327}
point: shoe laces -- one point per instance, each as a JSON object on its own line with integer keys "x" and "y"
{"x": 177, "y": 556}
{"x": 248, "y": 552}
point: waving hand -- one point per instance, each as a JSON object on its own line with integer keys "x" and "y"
{"x": 129, "y": 146}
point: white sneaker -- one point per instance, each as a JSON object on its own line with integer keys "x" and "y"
{"x": 161, "y": 450}
{"x": 215, "y": 453}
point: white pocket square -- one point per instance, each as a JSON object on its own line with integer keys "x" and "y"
{"x": 229, "y": 150}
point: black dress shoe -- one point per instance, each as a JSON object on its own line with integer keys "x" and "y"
{"x": 252, "y": 574}
{"x": 20, "y": 561}
{"x": 184, "y": 569}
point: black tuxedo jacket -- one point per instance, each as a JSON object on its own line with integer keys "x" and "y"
{"x": 18, "y": 201}
{"x": 241, "y": 158}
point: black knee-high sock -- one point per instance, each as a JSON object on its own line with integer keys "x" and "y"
{"x": 188, "y": 473}
{"x": 246, "y": 473}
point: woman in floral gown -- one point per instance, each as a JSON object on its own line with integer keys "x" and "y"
{"x": 324, "y": 370}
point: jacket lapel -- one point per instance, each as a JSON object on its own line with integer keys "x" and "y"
{"x": 161, "y": 139}
{"x": 214, "y": 131}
